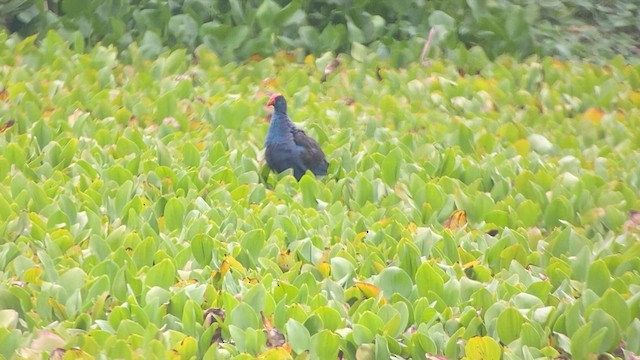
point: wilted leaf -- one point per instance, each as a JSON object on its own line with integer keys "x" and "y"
{"x": 456, "y": 221}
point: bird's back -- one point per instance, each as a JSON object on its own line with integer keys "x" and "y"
{"x": 287, "y": 147}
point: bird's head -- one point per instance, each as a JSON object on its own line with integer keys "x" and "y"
{"x": 278, "y": 102}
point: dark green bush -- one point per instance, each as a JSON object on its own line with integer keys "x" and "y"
{"x": 236, "y": 29}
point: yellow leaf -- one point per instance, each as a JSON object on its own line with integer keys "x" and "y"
{"x": 360, "y": 236}
{"x": 277, "y": 353}
{"x": 379, "y": 266}
{"x": 270, "y": 82}
{"x": 634, "y": 96}
{"x": 324, "y": 268}
{"x": 457, "y": 220}
{"x": 32, "y": 275}
{"x": 235, "y": 264}
{"x": 309, "y": 60}
{"x": 59, "y": 310}
{"x": 593, "y": 114}
{"x": 522, "y": 146}
{"x": 558, "y": 64}
{"x": 369, "y": 290}
{"x": 482, "y": 348}
{"x": 285, "y": 260}
{"x": 186, "y": 282}
{"x": 471, "y": 264}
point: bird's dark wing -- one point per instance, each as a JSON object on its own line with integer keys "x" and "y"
{"x": 311, "y": 154}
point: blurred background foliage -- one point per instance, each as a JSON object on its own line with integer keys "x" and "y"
{"x": 591, "y": 30}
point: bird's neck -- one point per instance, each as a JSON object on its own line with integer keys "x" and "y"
{"x": 279, "y": 129}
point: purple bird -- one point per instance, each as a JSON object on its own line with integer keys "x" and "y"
{"x": 287, "y": 147}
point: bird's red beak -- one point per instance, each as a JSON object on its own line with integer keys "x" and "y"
{"x": 272, "y": 99}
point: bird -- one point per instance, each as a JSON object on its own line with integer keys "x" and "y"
{"x": 287, "y": 147}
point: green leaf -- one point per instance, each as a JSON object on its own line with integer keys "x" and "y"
{"x": 598, "y": 277}
{"x": 609, "y": 328}
{"x": 529, "y": 213}
{"x": 162, "y": 274}
{"x": 391, "y": 166}
{"x": 362, "y": 333}
{"x": 409, "y": 257}
{"x": 509, "y": 323}
{"x": 356, "y": 36}
{"x": 191, "y": 315}
{"x": 201, "y": 248}
{"x": 191, "y": 155}
{"x": 579, "y": 341}
{"x": 308, "y": 187}
{"x": 244, "y": 316}
{"x": 428, "y": 280}
{"x": 441, "y": 18}
{"x": 364, "y": 191}
{"x": 325, "y": 345}
{"x": 358, "y": 51}
{"x": 298, "y": 336}
{"x": 558, "y": 210}
{"x": 15, "y": 154}
{"x": 184, "y": 29}
{"x": 381, "y": 348}
{"x": 531, "y": 336}
{"x": 331, "y": 318}
{"x": 633, "y": 336}
{"x": 125, "y": 147}
{"x": 174, "y": 213}
{"x": 255, "y": 297}
{"x": 395, "y": 280}
{"x": 150, "y": 45}
{"x": 266, "y": 13}
{"x": 614, "y": 304}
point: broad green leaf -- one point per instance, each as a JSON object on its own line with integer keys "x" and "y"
{"x": 184, "y": 29}
{"x": 244, "y": 316}
{"x": 598, "y": 277}
{"x": 325, "y": 345}
{"x": 615, "y": 305}
{"x": 298, "y": 336}
{"x": 610, "y": 329}
{"x": 253, "y": 242}
{"x": 381, "y": 348}
{"x": 191, "y": 155}
{"x": 529, "y": 213}
{"x": 427, "y": 279}
{"x": 256, "y": 297}
{"x": 558, "y": 210}
{"x": 580, "y": 341}
{"x": 390, "y": 166}
{"x": 395, "y": 280}
{"x": 308, "y": 187}
{"x": 509, "y": 323}
{"x": 174, "y": 212}
{"x": 162, "y": 274}
{"x": 331, "y": 318}
{"x": 201, "y": 247}
{"x": 362, "y": 333}
{"x": 266, "y": 13}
